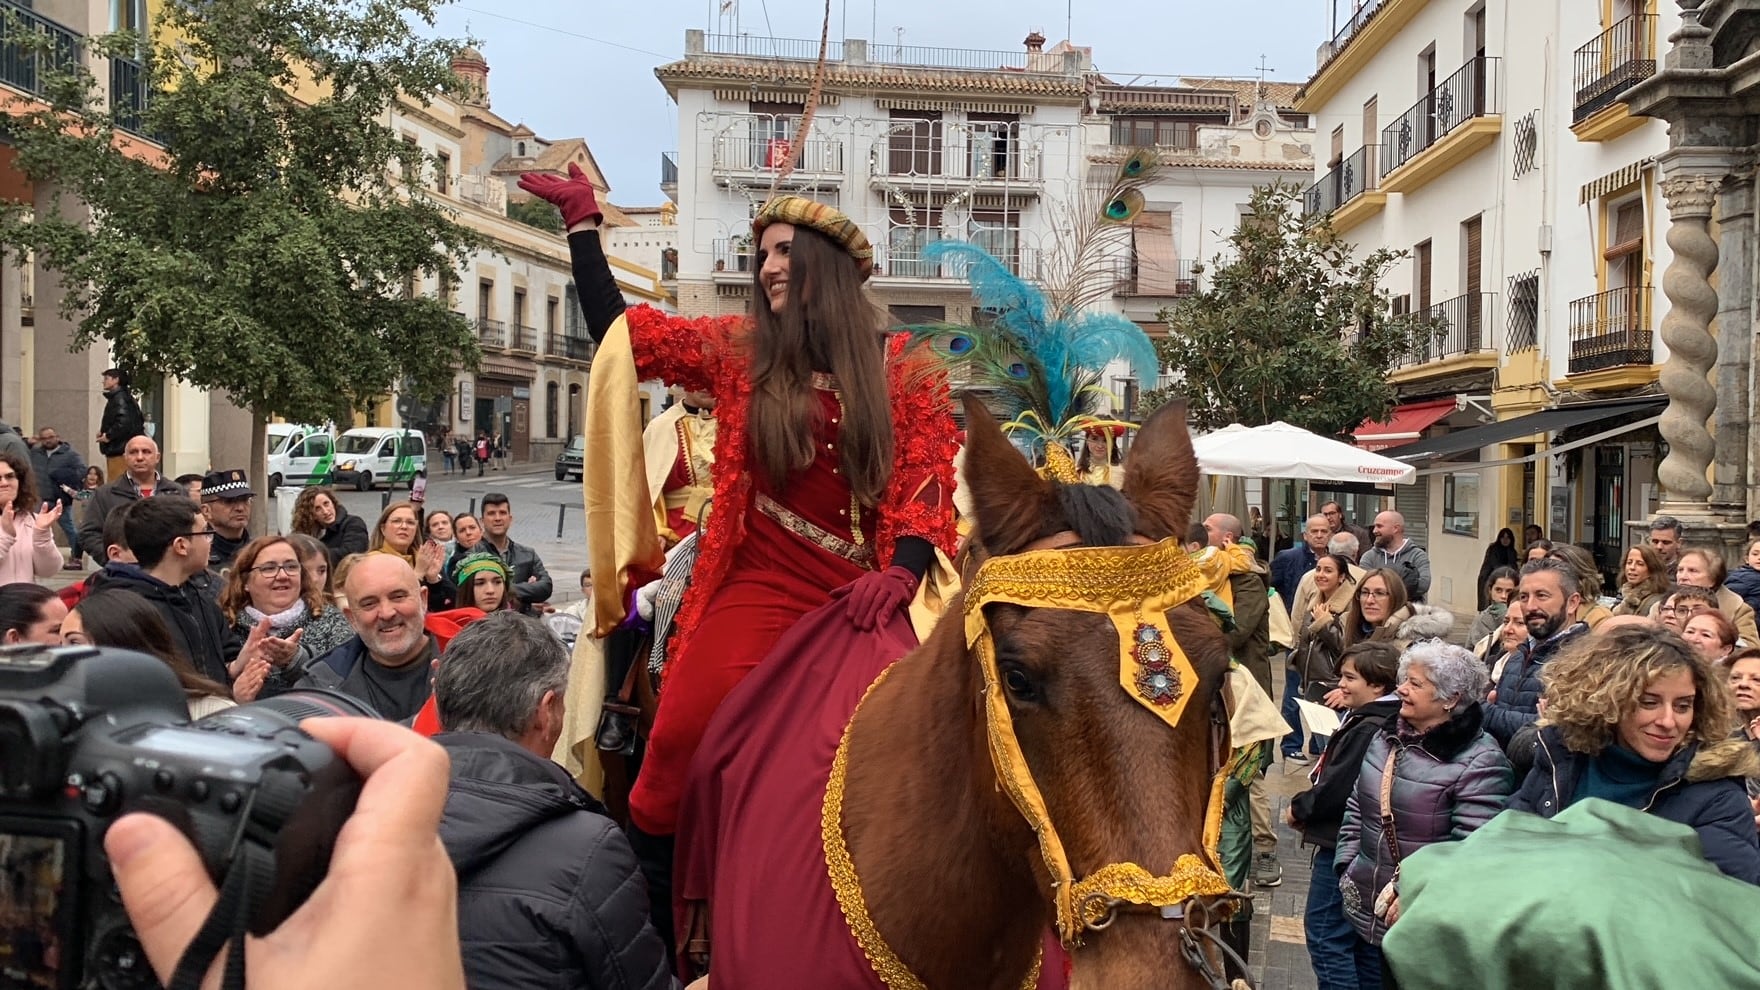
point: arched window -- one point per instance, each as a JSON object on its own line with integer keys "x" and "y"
{"x": 551, "y": 401}
{"x": 520, "y": 150}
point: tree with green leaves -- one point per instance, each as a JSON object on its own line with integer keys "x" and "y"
{"x": 1292, "y": 327}
{"x": 271, "y": 252}
{"x": 536, "y": 213}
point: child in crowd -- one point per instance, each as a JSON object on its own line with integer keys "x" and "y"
{"x": 1745, "y": 580}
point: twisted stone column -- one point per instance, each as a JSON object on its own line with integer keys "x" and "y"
{"x": 1692, "y": 351}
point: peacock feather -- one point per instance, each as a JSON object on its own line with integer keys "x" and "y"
{"x": 1040, "y": 367}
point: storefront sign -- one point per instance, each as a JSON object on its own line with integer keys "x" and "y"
{"x": 467, "y": 401}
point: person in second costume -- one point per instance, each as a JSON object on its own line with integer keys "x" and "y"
{"x": 1100, "y": 463}
{"x": 678, "y": 448}
{"x": 833, "y": 460}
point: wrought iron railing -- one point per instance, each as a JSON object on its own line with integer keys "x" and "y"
{"x": 1358, "y": 20}
{"x": 769, "y": 152}
{"x": 1618, "y": 59}
{"x": 669, "y": 168}
{"x": 1471, "y": 92}
{"x": 936, "y": 149}
{"x": 492, "y": 333}
{"x": 1135, "y": 278}
{"x": 128, "y": 94}
{"x": 1611, "y": 330}
{"x": 570, "y": 348}
{"x": 1346, "y": 181}
{"x": 525, "y": 339}
{"x": 753, "y": 46}
{"x": 33, "y": 47}
{"x": 733, "y": 254}
{"x": 1461, "y": 325}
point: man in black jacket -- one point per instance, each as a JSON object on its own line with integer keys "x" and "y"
{"x": 122, "y": 420}
{"x": 529, "y": 580}
{"x": 549, "y": 894}
{"x": 169, "y": 538}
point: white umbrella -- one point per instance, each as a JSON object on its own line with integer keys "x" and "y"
{"x": 1279, "y": 450}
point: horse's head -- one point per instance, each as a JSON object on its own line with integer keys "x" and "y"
{"x": 1119, "y": 784}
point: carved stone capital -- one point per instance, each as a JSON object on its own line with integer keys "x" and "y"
{"x": 1690, "y": 195}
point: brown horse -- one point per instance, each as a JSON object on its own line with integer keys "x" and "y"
{"x": 923, "y": 811}
{"x": 951, "y": 875}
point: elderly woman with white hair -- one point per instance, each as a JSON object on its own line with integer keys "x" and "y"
{"x": 1433, "y": 776}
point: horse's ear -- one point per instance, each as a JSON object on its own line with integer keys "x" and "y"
{"x": 1161, "y": 474}
{"x": 1008, "y": 496}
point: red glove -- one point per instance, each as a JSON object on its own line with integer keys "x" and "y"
{"x": 574, "y": 196}
{"x": 869, "y": 599}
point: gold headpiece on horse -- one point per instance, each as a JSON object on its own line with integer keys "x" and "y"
{"x": 1134, "y": 587}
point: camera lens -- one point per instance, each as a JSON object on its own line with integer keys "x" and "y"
{"x": 290, "y": 708}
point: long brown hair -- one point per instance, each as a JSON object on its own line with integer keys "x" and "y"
{"x": 1396, "y": 600}
{"x": 829, "y": 325}
{"x": 26, "y": 501}
{"x": 126, "y": 620}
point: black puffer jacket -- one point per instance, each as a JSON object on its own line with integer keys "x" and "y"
{"x": 198, "y": 628}
{"x": 549, "y": 895}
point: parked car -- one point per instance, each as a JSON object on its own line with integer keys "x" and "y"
{"x": 369, "y": 455}
{"x": 300, "y": 455}
{"x": 569, "y": 462}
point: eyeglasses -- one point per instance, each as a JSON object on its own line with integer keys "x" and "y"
{"x": 1374, "y": 593}
{"x": 209, "y": 532}
{"x": 270, "y": 570}
{"x": 1688, "y": 610}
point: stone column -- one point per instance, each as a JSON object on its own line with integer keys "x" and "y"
{"x": 67, "y": 394}
{"x": 1735, "y": 334}
{"x": 1692, "y": 351}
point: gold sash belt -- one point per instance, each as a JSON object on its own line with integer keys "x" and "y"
{"x": 857, "y": 554}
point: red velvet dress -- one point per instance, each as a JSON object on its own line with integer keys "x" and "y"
{"x": 755, "y": 576}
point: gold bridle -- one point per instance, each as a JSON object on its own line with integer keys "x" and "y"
{"x": 1134, "y": 586}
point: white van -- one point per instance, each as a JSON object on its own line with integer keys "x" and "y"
{"x": 299, "y": 455}
{"x": 371, "y": 455}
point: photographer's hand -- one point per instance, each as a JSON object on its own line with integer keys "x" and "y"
{"x": 385, "y": 916}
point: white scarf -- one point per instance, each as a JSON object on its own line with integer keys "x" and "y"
{"x": 281, "y": 622}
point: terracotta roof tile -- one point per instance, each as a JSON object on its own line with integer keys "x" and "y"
{"x": 1282, "y": 94}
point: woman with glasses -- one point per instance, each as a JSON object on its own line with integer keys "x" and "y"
{"x": 267, "y": 581}
{"x": 1379, "y": 611}
{"x": 27, "y": 526}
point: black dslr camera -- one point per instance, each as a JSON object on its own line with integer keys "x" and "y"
{"x": 89, "y": 734}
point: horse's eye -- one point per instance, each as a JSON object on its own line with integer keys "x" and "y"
{"x": 1019, "y": 683}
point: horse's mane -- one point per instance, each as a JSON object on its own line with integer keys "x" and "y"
{"x": 1100, "y": 515}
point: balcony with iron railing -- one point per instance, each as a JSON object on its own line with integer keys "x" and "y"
{"x": 1446, "y": 126}
{"x": 491, "y": 334}
{"x": 1136, "y": 278}
{"x": 1460, "y": 327}
{"x": 1607, "y": 67}
{"x": 569, "y": 348}
{"x": 1350, "y": 181}
{"x": 732, "y": 255}
{"x": 757, "y": 150}
{"x": 903, "y": 257}
{"x": 525, "y": 339}
{"x": 34, "y": 49}
{"x": 1611, "y": 330}
{"x": 913, "y": 152}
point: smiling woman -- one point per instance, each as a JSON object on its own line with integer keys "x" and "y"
{"x": 1636, "y": 716}
{"x": 268, "y": 584}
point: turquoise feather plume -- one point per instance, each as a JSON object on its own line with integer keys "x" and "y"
{"x": 1040, "y": 367}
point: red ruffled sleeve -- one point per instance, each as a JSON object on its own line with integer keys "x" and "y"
{"x": 681, "y": 351}
{"x": 919, "y": 496}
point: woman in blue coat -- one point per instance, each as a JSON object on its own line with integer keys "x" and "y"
{"x": 1634, "y": 716}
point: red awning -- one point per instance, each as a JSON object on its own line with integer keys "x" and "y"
{"x": 1405, "y": 424}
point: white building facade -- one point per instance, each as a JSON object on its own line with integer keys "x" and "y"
{"x": 1488, "y": 140}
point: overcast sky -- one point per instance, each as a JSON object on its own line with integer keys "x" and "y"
{"x": 585, "y": 68}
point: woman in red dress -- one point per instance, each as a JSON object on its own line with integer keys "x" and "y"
{"x": 833, "y": 466}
